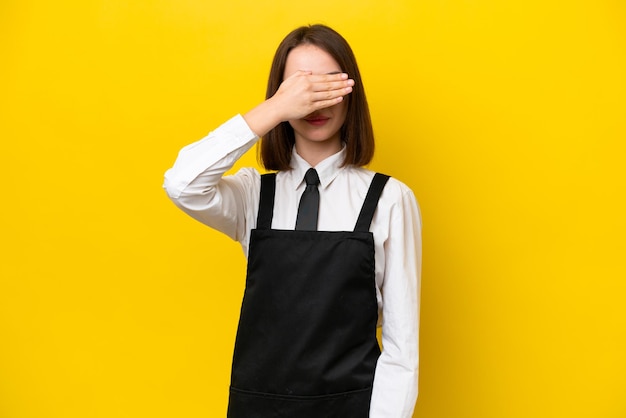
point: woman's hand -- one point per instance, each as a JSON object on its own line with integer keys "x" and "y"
{"x": 303, "y": 93}
{"x": 299, "y": 95}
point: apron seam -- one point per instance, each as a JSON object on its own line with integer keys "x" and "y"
{"x": 299, "y": 397}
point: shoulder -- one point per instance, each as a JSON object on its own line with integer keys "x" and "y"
{"x": 398, "y": 204}
{"x": 394, "y": 191}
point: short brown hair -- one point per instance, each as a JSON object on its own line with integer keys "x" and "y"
{"x": 356, "y": 132}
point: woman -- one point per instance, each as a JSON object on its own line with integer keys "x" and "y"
{"x": 306, "y": 343}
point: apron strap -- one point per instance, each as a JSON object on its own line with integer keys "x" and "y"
{"x": 266, "y": 201}
{"x": 371, "y": 200}
{"x": 268, "y": 189}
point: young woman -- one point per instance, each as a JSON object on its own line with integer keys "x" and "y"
{"x": 333, "y": 248}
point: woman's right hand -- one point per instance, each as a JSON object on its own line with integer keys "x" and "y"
{"x": 303, "y": 93}
{"x": 299, "y": 95}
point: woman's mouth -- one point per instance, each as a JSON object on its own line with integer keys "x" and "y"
{"x": 317, "y": 120}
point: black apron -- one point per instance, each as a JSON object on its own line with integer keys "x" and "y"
{"x": 306, "y": 344}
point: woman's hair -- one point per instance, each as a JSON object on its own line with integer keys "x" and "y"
{"x": 356, "y": 132}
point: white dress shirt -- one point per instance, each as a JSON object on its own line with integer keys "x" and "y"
{"x": 198, "y": 186}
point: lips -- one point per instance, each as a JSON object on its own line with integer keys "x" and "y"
{"x": 317, "y": 120}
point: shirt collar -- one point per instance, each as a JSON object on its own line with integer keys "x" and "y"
{"x": 327, "y": 169}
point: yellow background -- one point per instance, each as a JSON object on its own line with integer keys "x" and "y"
{"x": 505, "y": 117}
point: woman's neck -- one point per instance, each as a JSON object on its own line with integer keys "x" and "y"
{"x": 314, "y": 152}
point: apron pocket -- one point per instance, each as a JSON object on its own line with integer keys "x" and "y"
{"x": 353, "y": 404}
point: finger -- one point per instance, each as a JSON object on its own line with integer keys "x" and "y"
{"x": 329, "y": 77}
{"x": 322, "y": 104}
{"x": 301, "y": 73}
{"x": 298, "y": 73}
{"x": 332, "y": 85}
{"x": 330, "y": 94}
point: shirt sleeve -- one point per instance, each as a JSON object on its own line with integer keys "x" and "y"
{"x": 396, "y": 378}
{"x": 197, "y": 185}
